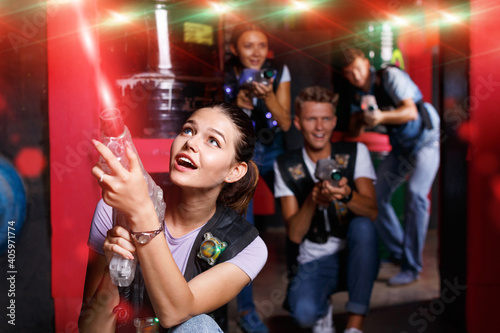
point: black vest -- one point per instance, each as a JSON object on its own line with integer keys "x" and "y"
{"x": 296, "y": 176}
{"x": 225, "y": 225}
{"x": 231, "y": 82}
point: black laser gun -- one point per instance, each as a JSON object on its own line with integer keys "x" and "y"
{"x": 250, "y": 75}
{"x": 327, "y": 169}
{"x": 368, "y": 103}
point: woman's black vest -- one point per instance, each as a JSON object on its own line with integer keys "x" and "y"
{"x": 225, "y": 225}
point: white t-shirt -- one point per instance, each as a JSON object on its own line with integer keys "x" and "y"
{"x": 308, "y": 250}
{"x": 285, "y": 76}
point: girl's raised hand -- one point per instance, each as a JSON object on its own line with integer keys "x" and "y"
{"x": 122, "y": 189}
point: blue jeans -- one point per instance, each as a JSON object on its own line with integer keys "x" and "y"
{"x": 317, "y": 280}
{"x": 418, "y": 168}
{"x": 200, "y": 324}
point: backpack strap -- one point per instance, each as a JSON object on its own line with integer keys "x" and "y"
{"x": 384, "y": 98}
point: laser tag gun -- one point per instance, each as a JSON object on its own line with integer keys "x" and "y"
{"x": 368, "y": 103}
{"x": 327, "y": 169}
{"x": 116, "y": 136}
{"x": 249, "y": 75}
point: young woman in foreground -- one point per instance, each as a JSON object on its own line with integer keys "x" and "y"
{"x": 213, "y": 180}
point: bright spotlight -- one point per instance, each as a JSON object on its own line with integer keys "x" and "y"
{"x": 449, "y": 18}
{"x": 300, "y": 5}
{"x": 220, "y": 8}
{"x": 118, "y": 17}
{"x": 399, "y": 21}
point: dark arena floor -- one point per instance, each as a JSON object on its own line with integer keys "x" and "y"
{"x": 412, "y": 308}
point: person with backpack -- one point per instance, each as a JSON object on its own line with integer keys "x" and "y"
{"x": 389, "y": 98}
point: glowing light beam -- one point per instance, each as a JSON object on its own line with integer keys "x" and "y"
{"x": 92, "y": 52}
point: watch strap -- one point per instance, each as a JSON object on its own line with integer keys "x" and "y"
{"x": 144, "y": 237}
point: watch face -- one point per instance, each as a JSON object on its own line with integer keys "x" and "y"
{"x": 143, "y": 238}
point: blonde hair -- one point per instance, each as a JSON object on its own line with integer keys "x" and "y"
{"x": 316, "y": 94}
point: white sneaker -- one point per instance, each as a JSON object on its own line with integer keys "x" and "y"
{"x": 352, "y": 330}
{"x": 325, "y": 323}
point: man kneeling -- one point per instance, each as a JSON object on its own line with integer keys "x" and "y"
{"x": 327, "y": 219}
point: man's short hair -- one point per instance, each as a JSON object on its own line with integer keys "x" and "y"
{"x": 348, "y": 56}
{"x": 316, "y": 94}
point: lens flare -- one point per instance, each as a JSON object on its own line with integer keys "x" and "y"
{"x": 117, "y": 18}
{"x": 399, "y": 20}
{"x": 449, "y": 18}
{"x": 220, "y": 8}
{"x": 300, "y": 6}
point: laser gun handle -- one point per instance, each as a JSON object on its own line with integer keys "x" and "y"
{"x": 116, "y": 136}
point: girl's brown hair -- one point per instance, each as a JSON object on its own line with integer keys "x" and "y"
{"x": 237, "y": 195}
{"x": 241, "y": 28}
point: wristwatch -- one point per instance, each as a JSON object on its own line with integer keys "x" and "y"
{"x": 347, "y": 198}
{"x": 144, "y": 237}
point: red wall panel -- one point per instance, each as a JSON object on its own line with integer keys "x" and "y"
{"x": 73, "y": 110}
{"x": 416, "y": 43}
{"x": 484, "y": 173}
